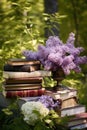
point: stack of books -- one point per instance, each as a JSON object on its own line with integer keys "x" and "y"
{"x": 70, "y": 106}
{"x": 23, "y": 78}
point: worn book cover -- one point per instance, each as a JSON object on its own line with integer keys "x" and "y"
{"x": 22, "y": 86}
{"x": 25, "y": 93}
{"x": 22, "y": 100}
{"x": 18, "y": 61}
{"x": 25, "y": 80}
{"x": 73, "y": 110}
{"x": 64, "y": 93}
{"x": 21, "y": 68}
{"x": 69, "y": 102}
{"x": 77, "y": 119}
{"x": 82, "y": 126}
{"x": 38, "y": 73}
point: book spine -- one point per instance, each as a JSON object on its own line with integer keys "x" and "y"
{"x": 7, "y": 74}
{"x": 23, "y": 80}
{"x": 25, "y": 93}
{"x": 21, "y": 68}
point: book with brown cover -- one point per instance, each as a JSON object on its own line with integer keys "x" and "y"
{"x": 25, "y": 93}
{"x": 65, "y": 93}
{"x": 24, "y": 80}
{"x": 69, "y": 102}
{"x": 21, "y": 61}
{"x": 21, "y": 86}
{"x": 21, "y": 68}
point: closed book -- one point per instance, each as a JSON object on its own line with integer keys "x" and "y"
{"x": 77, "y": 119}
{"x": 21, "y": 68}
{"x": 69, "y": 102}
{"x": 73, "y": 110}
{"x": 22, "y": 86}
{"x": 25, "y": 93}
{"x": 65, "y": 93}
{"x": 22, "y": 100}
{"x": 30, "y": 80}
{"x": 38, "y": 73}
{"x": 79, "y": 127}
{"x": 19, "y": 61}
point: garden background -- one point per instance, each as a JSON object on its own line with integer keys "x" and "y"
{"x": 26, "y": 23}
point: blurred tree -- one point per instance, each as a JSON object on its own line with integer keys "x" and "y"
{"x": 51, "y": 8}
{"x": 75, "y": 21}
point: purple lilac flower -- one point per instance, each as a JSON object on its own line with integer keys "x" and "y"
{"x": 53, "y": 41}
{"x": 49, "y": 102}
{"x": 56, "y": 54}
{"x": 71, "y": 40}
{"x": 55, "y": 58}
{"x": 30, "y": 55}
{"x": 80, "y": 60}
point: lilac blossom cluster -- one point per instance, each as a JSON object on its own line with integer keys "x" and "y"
{"x": 56, "y": 54}
{"x": 49, "y": 102}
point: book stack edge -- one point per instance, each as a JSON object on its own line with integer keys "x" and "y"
{"x": 23, "y": 78}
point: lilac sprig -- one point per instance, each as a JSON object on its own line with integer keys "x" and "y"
{"x": 49, "y": 102}
{"x": 55, "y": 54}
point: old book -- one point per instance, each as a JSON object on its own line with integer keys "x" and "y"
{"x": 19, "y": 61}
{"x": 69, "y": 102}
{"x": 22, "y": 100}
{"x": 38, "y": 73}
{"x": 25, "y": 93}
{"x": 82, "y": 126}
{"x": 22, "y": 86}
{"x": 24, "y": 80}
{"x": 77, "y": 119}
{"x": 65, "y": 93}
{"x": 21, "y": 68}
{"x": 73, "y": 110}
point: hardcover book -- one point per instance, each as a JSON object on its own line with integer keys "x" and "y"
{"x": 25, "y": 93}
{"x": 79, "y": 127}
{"x": 73, "y": 110}
{"x": 78, "y": 119}
{"x": 22, "y": 86}
{"x": 69, "y": 102}
{"x": 17, "y": 61}
{"x": 22, "y": 100}
{"x": 24, "y": 80}
{"x": 38, "y": 73}
{"x": 65, "y": 93}
{"x": 21, "y": 68}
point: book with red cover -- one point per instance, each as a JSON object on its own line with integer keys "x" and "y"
{"x": 30, "y": 80}
{"x": 25, "y": 93}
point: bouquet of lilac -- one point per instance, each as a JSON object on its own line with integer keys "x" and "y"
{"x": 55, "y": 54}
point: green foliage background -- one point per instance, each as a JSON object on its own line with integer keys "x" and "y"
{"x": 22, "y": 24}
